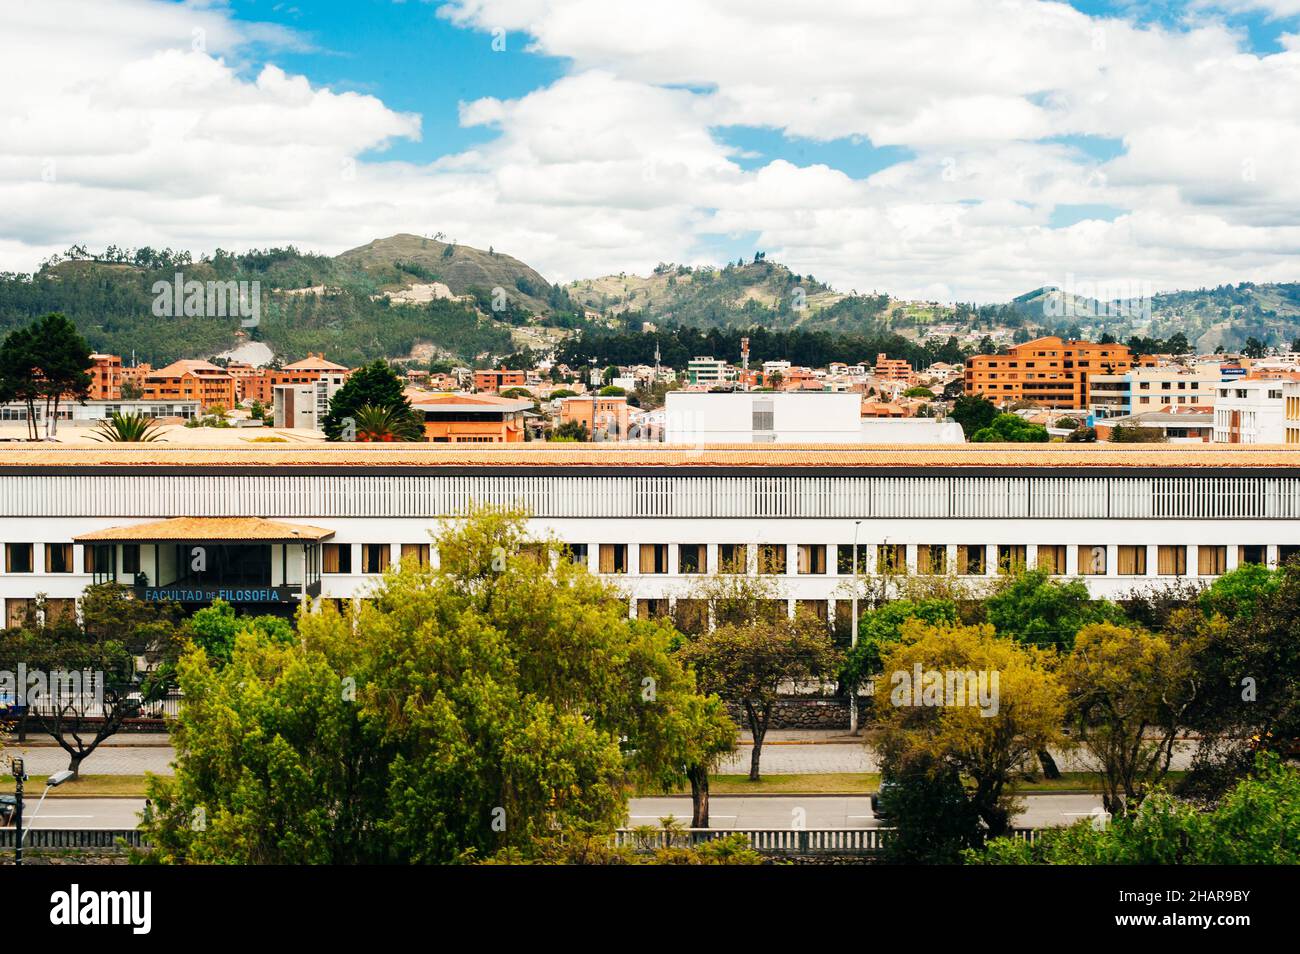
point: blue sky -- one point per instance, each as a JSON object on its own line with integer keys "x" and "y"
{"x": 964, "y": 150}
{"x": 416, "y": 61}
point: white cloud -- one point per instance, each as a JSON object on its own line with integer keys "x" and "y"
{"x": 151, "y": 125}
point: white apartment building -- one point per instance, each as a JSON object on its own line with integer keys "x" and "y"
{"x": 1248, "y": 411}
{"x": 278, "y": 525}
{"x": 1143, "y": 390}
{"x": 763, "y": 417}
{"x": 89, "y": 411}
{"x": 305, "y": 405}
{"x": 1291, "y": 412}
{"x": 706, "y": 371}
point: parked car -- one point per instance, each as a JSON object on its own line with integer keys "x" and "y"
{"x": 880, "y": 797}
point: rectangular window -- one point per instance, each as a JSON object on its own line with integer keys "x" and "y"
{"x": 60, "y": 609}
{"x": 654, "y": 558}
{"x": 16, "y": 610}
{"x": 815, "y": 609}
{"x": 891, "y": 558}
{"x": 691, "y": 616}
{"x": 691, "y": 558}
{"x": 771, "y": 558}
{"x": 1171, "y": 560}
{"x": 374, "y": 557}
{"x": 1051, "y": 558}
{"x": 932, "y": 559}
{"x": 18, "y": 558}
{"x": 613, "y": 558}
{"x": 845, "y": 564}
{"x": 1132, "y": 561}
{"x": 1286, "y": 552}
{"x": 1092, "y": 560}
{"x": 58, "y": 558}
{"x": 812, "y": 558}
{"x": 1212, "y": 560}
{"x": 842, "y": 630}
{"x": 733, "y": 557}
{"x": 651, "y": 609}
{"x": 420, "y": 551}
{"x": 131, "y": 558}
{"x": 971, "y": 559}
{"x": 1012, "y": 557}
{"x": 576, "y": 552}
{"x": 764, "y": 417}
{"x": 337, "y": 557}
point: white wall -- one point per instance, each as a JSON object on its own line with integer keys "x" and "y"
{"x": 814, "y": 418}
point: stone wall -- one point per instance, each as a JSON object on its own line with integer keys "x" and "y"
{"x": 816, "y": 713}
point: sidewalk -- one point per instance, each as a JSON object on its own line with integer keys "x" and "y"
{"x": 37, "y": 740}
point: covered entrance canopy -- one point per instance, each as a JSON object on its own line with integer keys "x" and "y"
{"x": 195, "y": 560}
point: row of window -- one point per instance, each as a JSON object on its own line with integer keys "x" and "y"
{"x": 770, "y": 558}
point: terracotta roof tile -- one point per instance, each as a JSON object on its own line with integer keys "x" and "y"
{"x": 540, "y": 454}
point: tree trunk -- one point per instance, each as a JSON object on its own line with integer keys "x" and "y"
{"x": 758, "y": 729}
{"x": 74, "y": 765}
{"x": 699, "y": 776}
{"x": 1050, "y": 771}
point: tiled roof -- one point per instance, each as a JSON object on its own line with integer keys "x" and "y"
{"x": 209, "y": 528}
{"x": 540, "y": 454}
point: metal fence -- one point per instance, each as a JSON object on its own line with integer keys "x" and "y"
{"x": 74, "y": 838}
{"x": 778, "y": 841}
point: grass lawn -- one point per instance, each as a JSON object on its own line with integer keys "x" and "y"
{"x": 86, "y": 785}
{"x": 864, "y": 784}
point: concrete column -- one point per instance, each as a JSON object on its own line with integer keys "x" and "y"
{"x": 1234, "y": 554}
{"x": 1193, "y": 559}
{"x": 710, "y": 558}
{"x": 950, "y": 558}
{"x": 1031, "y": 556}
{"x": 1153, "y": 560}
{"x": 674, "y": 560}
{"x": 1112, "y": 559}
{"x": 1072, "y": 560}
{"x": 1272, "y": 556}
{"x": 990, "y": 559}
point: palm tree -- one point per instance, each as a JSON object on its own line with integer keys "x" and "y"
{"x": 128, "y": 429}
{"x": 386, "y": 424}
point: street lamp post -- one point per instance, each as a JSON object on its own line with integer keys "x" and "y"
{"x": 853, "y": 634}
{"x": 18, "y": 768}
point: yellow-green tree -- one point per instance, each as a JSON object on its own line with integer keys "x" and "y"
{"x": 491, "y": 704}
{"x": 930, "y": 712}
{"x": 1130, "y": 693}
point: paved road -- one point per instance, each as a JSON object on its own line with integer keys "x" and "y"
{"x": 855, "y": 757}
{"x": 82, "y": 812}
{"x": 749, "y": 811}
{"x": 725, "y": 811}
{"x": 788, "y": 759}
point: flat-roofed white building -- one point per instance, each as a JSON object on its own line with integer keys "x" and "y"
{"x": 1249, "y": 411}
{"x": 763, "y": 417}
{"x": 280, "y": 523}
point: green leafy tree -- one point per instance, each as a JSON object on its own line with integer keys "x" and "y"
{"x": 1136, "y": 434}
{"x": 376, "y": 385}
{"x": 751, "y": 663}
{"x": 1256, "y": 823}
{"x": 215, "y": 627}
{"x": 1130, "y": 693}
{"x": 880, "y": 628}
{"x": 973, "y": 413}
{"x": 1010, "y": 429}
{"x": 115, "y": 630}
{"x": 988, "y": 749}
{"x": 492, "y": 705}
{"x": 1032, "y": 607}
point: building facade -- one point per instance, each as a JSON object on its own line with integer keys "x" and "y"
{"x": 1047, "y": 371}
{"x": 762, "y": 417}
{"x": 1143, "y": 390}
{"x": 471, "y": 418}
{"x": 1248, "y": 411}
{"x": 275, "y": 525}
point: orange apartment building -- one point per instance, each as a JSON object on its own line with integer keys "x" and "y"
{"x": 1046, "y": 371}
{"x": 499, "y": 379}
{"x": 893, "y": 369}
{"x": 191, "y": 381}
{"x": 105, "y": 377}
{"x": 460, "y": 418}
{"x": 609, "y": 415}
{"x": 261, "y": 384}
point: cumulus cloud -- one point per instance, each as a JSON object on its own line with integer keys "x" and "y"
{"x": 156, "y": 124}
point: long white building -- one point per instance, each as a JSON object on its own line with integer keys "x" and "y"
{"x": 264, "y": 526}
